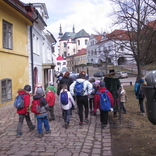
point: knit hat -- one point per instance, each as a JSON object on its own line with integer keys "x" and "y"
{"x": 51, "y": 83}
{"x": 39, "y": 91}
{"x": 27, "y": 88}
{"x": 141, "y": 81}
{"x": 52, "y": 88}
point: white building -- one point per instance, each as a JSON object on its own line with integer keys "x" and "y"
{"x": 110, "y": 48}
{"x": 43, "y": 58}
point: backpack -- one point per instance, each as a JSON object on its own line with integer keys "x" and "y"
{"x": 79, "y": 90}
{"x": 64, "y": 98}
{"x": 35, "y": 106}
{"x": 105, "y": 103}
{"x": 141, "y": 92}
{"x": 19, "y": 101}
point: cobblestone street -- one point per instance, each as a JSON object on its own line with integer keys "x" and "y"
{"x": 90, "y": 140}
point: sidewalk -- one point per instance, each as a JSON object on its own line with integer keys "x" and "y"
{"x": 90, "y": 140}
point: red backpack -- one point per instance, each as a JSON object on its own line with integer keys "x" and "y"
{"x": 35, "y": 106}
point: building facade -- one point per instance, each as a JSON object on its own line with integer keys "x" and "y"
{"x": 14, "y": 56}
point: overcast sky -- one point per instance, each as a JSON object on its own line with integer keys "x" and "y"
{"x": 83, "y": 14}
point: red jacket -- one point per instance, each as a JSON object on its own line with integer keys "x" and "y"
{"x": 97, "y": 98}
{"x": 26, "y": 103}
{"x": 50, "y": 97}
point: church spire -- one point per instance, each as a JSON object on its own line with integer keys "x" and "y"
{"x": 60, "y": 33}
{"x": 73, "y": 29}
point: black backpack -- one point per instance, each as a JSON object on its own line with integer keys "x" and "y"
{"x": 141, "y": 92}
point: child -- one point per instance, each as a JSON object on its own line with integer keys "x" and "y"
{"x": 50, "y": 97}
{"x": 23, "y": 113}
{"x": 123, "y": 99}
{"x": 42, "y": 116}
{"x": 66, "y": 107}
{"x": 103, "y": 114}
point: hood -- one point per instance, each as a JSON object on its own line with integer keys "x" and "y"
{"x": 80, "y": 80}
{"x": 37, "y": 96}
{"x": 21, "y": 91}
{"x": 102, "y": 89}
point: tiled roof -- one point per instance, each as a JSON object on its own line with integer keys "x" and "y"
{"x": 81, "y": 33}
{"x": 81, "y": 52}
{"x": 59, "y": 58}
{"x": 98, "y": 37}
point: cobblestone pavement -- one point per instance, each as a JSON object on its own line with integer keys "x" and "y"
{"x": 90, "y": 140}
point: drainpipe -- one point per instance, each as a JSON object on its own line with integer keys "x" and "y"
{"x": 31, "y": 51}
{"x": 32, "y": 59}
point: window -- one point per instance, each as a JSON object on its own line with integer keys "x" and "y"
{"x": 78, "y": 42}
{"x": 58, "y": 63}
{"x": 65, "y": 44}
{"x": 65, "y": 54}
{"x": 6, "y": 90}
{"x": 64, "y": 63}
{"x": 85, "y": 42}
{"x": 73, "y": 50}
{"x": 7, "y": 35}
{"x": 68, "y": 47}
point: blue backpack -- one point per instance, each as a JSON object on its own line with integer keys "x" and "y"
{"x": 64, "y": 98}
{"x": 79, "y": 90}
{"x": 19, "y": 101}
{"x": 105, "y": 103}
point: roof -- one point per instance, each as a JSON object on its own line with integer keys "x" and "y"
{"x": 81, "y": 33}
{"x": 59, "y": 58}
{"x": 119, "y": 34}
{"x": 98, "y": 37}
{"x": 68, "y": 35}
{"x": 81, "y": 52}
{"x": 21, "y": 7}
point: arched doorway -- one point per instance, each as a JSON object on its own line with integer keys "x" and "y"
{"x": 122, "y": 61}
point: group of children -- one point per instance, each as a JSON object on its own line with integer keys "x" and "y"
{"x": 47, "y": 102}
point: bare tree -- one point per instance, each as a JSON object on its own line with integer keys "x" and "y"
{"x": 135, "y": 17}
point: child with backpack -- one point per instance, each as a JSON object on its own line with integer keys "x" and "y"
{"x": 50, "y": 97}
{"x": 140, "y": 95}
{"x": 40, "y": 108}
{"x": 123, "y": 99}
{"x": 23, "y": 110}
{"x": 105, "y": 100}
{"x": 66, "y": 100}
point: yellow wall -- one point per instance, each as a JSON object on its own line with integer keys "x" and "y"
{"x": 14, "y": 63}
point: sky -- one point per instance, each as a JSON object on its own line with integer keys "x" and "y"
{"x": 89, "y": 15}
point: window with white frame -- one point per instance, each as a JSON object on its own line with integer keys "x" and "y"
{"x": 6, "y": 90}
{"x": 86, "y": 41}
{"x": 78, "y": 42}
{"x": 7, "y": 35}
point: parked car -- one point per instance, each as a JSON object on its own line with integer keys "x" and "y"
{"x": 98, "y": 74}
{"x": 76, "y": 75}
{"x": 122, "y": 74}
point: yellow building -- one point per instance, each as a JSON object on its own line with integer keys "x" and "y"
{"x": 14, "y": 68}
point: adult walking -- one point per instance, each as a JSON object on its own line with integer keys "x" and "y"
{"x": 81, "y": 88}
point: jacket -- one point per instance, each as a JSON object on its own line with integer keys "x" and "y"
{"x": 97, "y": 98}
{"x": 88, "y": 88}
{"x": 66, "y": 80}
{"x": 123, "y": 97}
{"x": 50, "y": 97}
{"x": 26, "y": 102}
{"x": 70, "y": 101}
{"x": 43, "y": 105}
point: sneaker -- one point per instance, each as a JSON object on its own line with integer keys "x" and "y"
{"x": 66, "y": 125}
{"x": 86, "y": 120}
{"x": 81, "y": 123}
{"x": 19, "y": 134}
{"x": 125, "y": 112}
{"x": 47, "y": 132}
{"x": 40, "y": 135}
{"x": 143, "y": 114}
{"x": 94, "y": 113}
{"x": 33, "y": 128}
